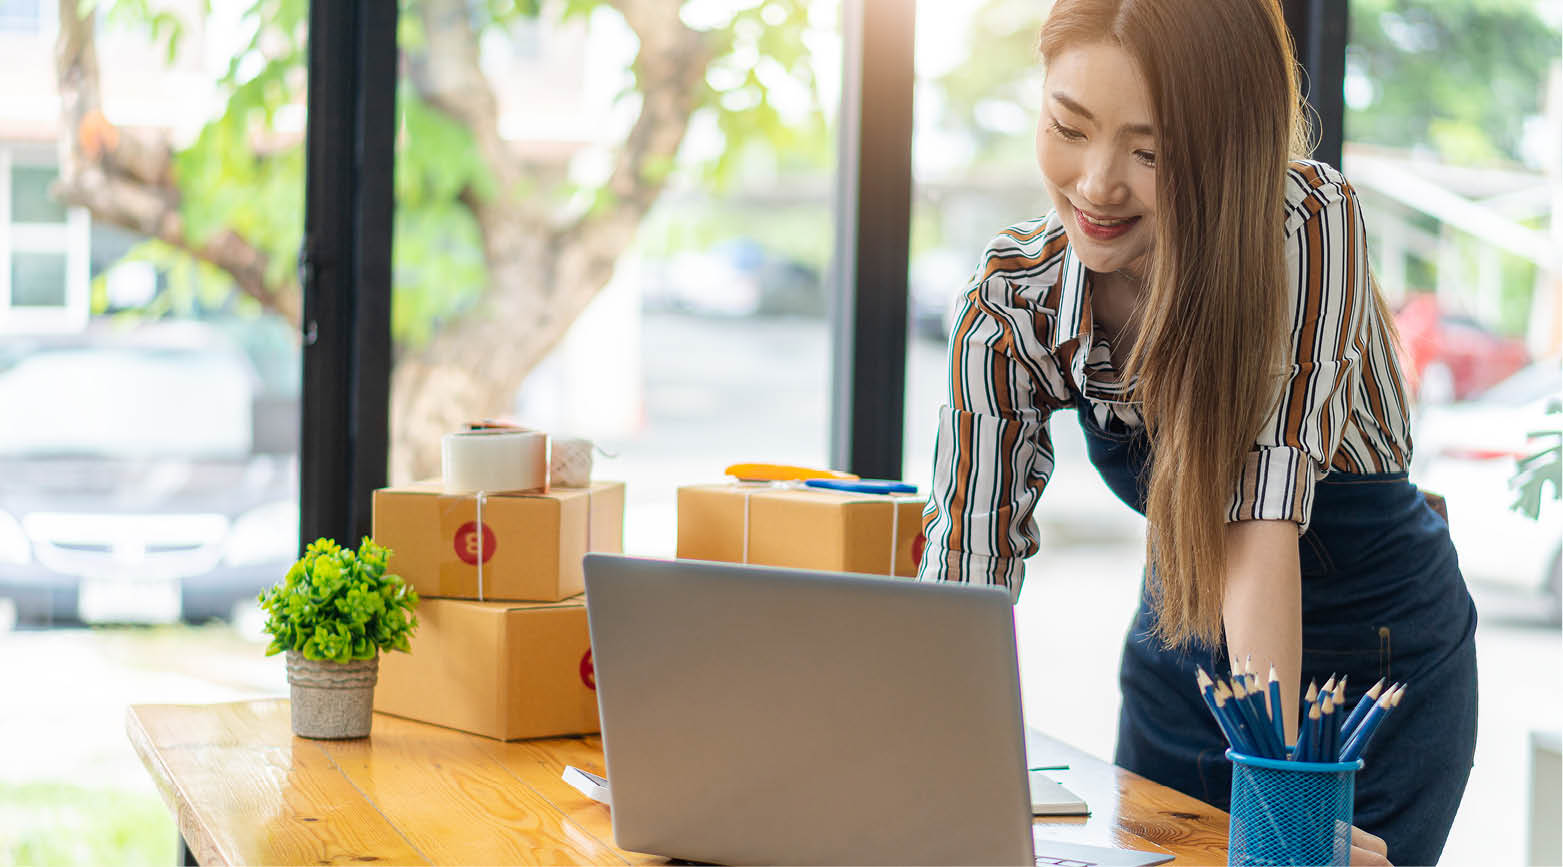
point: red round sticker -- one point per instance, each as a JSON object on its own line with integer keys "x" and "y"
{"x": 588, "y": 671}
{"x": 466, "y": 543}
{"x": 918, "y": 544}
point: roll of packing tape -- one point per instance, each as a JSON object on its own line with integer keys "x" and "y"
{"x": 570, "y": 465}
{"x": 494, "y": 461}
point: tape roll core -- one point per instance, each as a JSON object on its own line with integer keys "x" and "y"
{"x": 494, "y": 460}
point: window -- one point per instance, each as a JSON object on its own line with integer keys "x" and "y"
{"x": 43, "y": 249}
{"x": 20, "y": 16}
{"x": 689, "y": 264}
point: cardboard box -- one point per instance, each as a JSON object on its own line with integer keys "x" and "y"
{"x": 804, "y": 528}
{"x": 507, "y": 670}
{"x": 532, "y": 543}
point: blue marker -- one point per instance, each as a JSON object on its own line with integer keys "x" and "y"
{"x": 863, "y": 486}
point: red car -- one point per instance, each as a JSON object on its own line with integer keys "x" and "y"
{"x": 1447, "y": 356}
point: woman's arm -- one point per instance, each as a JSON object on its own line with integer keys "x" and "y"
{"x": 1262, "y": 608}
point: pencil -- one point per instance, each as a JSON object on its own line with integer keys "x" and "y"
{"x": 1328, "y": 748}
{"x": 1207, "y": 689}
{"x": 1308, "y": 736}
{"x": 1260, "y": 728}
{"x": 1244, "y": 742}
{"x": 1370, "y": 724}
{"x": 1361, "y": 710}
{"x": 1256, "y": 703}
{"x": 1277, "y": 713}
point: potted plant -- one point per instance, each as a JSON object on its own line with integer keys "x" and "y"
{"x": 332, "y": 614}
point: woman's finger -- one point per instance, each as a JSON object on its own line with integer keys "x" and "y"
{"x": 1367, "y": 841}
{"x": 1361, "y": 857}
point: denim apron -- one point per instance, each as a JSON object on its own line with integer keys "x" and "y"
{"x": 1382, "y": 596}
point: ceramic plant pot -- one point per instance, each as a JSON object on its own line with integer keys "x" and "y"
{"x": 332, "y": 700}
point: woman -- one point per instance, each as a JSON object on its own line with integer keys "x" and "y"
{"x": 1203, "y": 302}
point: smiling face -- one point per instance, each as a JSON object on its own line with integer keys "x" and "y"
{"x": 1097, "y": 149}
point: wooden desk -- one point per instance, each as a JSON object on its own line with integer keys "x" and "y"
{"x": 245, "y": 791}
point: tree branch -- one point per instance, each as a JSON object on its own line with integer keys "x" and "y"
{"x": 125, "y": 176}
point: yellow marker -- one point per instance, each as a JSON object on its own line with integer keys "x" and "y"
{"x": 784, "y": 473}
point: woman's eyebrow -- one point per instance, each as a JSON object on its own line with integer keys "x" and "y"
{"x": 1077, "y": 108}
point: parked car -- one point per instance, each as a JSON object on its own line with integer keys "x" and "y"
{"x": 1467, "y": 452}
{"x": 737, "y": 277}
{"x": 1448, "y": 356}
{"x": 143, "y": 477}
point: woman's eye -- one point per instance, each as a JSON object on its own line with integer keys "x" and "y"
{"x": 1066, "y": 133}
{"x": 1146, "y": 157}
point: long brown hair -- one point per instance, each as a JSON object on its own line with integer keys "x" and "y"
{"x": 1228, "y": 116}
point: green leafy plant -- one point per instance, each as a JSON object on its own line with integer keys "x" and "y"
{"x": 1539, "y": 470}
{"x": 340, "y": 605}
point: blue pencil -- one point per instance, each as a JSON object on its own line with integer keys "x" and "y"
{"x": 1238, "y": 721}
{"x": 1370, "y": 725}
{"x": 1256, "y": 700}
{"x": 1207, "y": 689}
{"x": 1314, "y": 733}
{"x": 1260, "y": 728}
{"x": 1361, "y": 710}
{"x": 1329, "y": 747}
{"x": 1302, "y": 724}
{"x": 1277, "y": 712}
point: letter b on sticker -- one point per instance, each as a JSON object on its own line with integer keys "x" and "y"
{"x": 466, "y": 543}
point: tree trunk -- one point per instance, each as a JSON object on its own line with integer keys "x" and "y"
{"x": 125, "y": 176}
{"x": 541, "y": 274}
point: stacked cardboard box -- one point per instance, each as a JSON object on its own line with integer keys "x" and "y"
{"x": 502, "y": 648}
{"x": 800, "y": 527}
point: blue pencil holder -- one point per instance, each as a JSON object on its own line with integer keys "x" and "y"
{"x": 1288, "y": 813}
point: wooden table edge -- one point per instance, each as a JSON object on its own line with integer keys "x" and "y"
{"x": 191, "y": 830}
{"x": 206, "y": 850}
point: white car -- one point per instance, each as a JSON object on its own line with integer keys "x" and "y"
{"x": 1468, "y": 452}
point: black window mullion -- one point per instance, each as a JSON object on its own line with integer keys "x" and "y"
{"x": 344, "y": 265}
{"x": 1319, "y": 31}
{"x": 873, "y": 228}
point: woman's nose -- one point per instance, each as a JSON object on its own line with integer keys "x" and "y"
{"x": 1102, "y": 182}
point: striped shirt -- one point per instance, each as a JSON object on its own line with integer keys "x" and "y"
{"x": 1025, "y": 344}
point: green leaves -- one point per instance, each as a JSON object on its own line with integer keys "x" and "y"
{"x": 1538, "y": 470}
{"x": 340, "y": 605}
{"x": 1458, "y": 76}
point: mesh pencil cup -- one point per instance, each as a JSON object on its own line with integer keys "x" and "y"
{"x": 1286, "y": 813}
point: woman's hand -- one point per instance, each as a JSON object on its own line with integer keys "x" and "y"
{"x": 1367, "y": 849}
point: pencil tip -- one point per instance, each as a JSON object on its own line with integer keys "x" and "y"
{"x": 1273, "y": 675}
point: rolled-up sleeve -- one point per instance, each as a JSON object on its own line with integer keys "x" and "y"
{"x": 993, "y": 455}
{"x": 1329, "y": 295}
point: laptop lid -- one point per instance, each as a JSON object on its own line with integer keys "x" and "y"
{"x": 761, "y": 715}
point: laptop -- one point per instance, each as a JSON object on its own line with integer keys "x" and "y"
{"x": 758, "y": 715}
